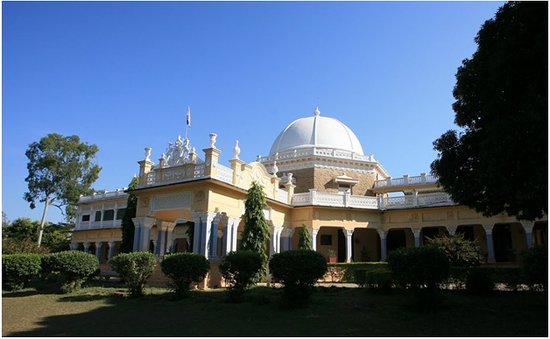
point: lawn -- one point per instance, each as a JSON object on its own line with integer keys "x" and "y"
{"x": 106, "y": 311}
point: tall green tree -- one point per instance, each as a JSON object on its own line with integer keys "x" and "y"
{"x": 256, "y": 231}
{"x": 21, "y": 231}
{"x": 499, "y": 161}
{"x": 304, "y": 241}
{"x": 60, "y": 170}
{"x": 128, "y": 227}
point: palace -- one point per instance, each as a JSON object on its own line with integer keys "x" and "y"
{"x": 316, "y": 174}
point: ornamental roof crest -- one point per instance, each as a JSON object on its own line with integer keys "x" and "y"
{"x": 179, "y": 153}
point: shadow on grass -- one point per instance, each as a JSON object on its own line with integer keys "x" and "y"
{"x": 17, "y": 294}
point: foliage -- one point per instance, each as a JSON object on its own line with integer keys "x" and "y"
{"x": 12, "y": 246}
{"x": 479, "y": 281}
{"x": 60, "y": 169}
{"x": 535, "y": 266}
{"x": 5, "y": 221}
{"x": 297, "y": 270}
{"x": 240, "y": 270}
{"x": 304, "y": 241}
{"x": 459, "y": 251}
{"x": 134, "y": 268}
{"x": 73, "y": 268}
{"x": 256, "y": 230}
{"x": 19, "y": 269}
{"x": 418, "y": 267}
{"x": 21, "y": 229}
{"x": 127, "y": 225}
{"x": 502, "y": 106}
{"x": 24, "y": 230}
{"x": 184, "y": 269}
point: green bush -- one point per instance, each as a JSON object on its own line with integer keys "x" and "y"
{"x": 459, "y": 251}
{"x": 418, "y": 267}
{"x": 479, "y": 281}
{"x": 240, "y": 269}
{"x": 13, "y": 246}
{"x": 19, "y": 269}
{"x": 72, "y": 268}
{"x": 297, "y": 270}
{"x": 134, "y": 268}
{"x": 534, "y": 265}
{"x": 184, "y": 269}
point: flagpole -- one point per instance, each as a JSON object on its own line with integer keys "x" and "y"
{"x": 187, "y": 120}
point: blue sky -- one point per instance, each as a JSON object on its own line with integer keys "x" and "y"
{"x": 121, "y": 75}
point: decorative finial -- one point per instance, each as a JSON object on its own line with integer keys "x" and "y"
{"x": 147, "y": 153}
{"x": 316, "y": 112}
{"x": 275, "y": 169}
{"x": 236, "y": 150}
{"x": 213, "y": 137}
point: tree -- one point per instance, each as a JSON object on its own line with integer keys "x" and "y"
{"x": 22, "y": 229}
{"x": 128, "y": 228}
{"x": 5, "y": 221}
{"x": 60, "y": 170}
{"x": 256, "y": 230}
{"x": 304, "y": 242}
{"x": 499, "y": 162}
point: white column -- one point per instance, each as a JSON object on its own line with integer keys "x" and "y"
{"x": 170, "y": 241}
{"x": 202, "y": 233}
{"x": 275, "y": 240}
{"x": 451, "y": 230}
{"x": 490, "y": 246}
{"x": 144, "y": 236}
{"x": 314, "y": 232}
{"x": 137, "y": 237}
{"x": 528, "y": 228}
{"x": 348, "y": 234}
{"x": 98, "y": 248}
{"x": 235, "y": 232}
{"x": 111, "y": 250}
{"x": 164, "y": 227}
{"x": 214, "y": 237}
{"x": 383, "y": 248}
{"x": 86, "y": 247}
{"x": 73, "y": 247}
{"x": 416, "y": 233}
{"x": 155, "y": 247}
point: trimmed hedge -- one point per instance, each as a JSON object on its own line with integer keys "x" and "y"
{"x": 418, "y": 267}
{"x": 19, "y": 269}
{"x": 134, "y": 268}
{"x": 240, "y": 270}
{"x": 72, "y": 267}
{"x": 184, "y": 269}
{"x": 297, "y": 270}
{"x": 535, "y": 266}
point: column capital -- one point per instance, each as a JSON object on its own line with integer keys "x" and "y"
{"x": 165, "y": 225}
{"x": 111, "y": 243}
{"x": 527, "y": 225}
{"x": 287, "y": 231}
{"x": 416, "y": 232}
{"x": 146, "y": 222}
{"x": 204, "y": 215}
{"x": 488, "y": 228}
{"x": 382, "y": 233}
{"x": 451, "y": 230}
{"x": 348, "y": 233}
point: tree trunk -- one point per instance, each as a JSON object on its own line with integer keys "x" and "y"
{"x": 43, "y": 221}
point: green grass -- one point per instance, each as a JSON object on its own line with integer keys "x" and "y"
{"x": 107, "y": 311}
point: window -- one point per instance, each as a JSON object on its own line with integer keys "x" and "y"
{"x": 109, "y": 215}
{"x": 85, "y": 217}
{"x": 326, "y": 239}
{"x": 120, "y": 213}
{"x": 97, "y": 216}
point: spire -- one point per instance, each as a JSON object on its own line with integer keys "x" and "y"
{"x": 316, "y": 112}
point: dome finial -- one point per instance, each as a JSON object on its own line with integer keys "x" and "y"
{"x": 316, "y": 112}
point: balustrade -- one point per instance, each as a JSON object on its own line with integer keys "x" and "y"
{"x": 224, "y": 174}
{"x": 406, "y": 180}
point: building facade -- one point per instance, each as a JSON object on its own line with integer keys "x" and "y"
{"x": 317, "y": 175}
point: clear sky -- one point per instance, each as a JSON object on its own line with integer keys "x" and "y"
{"x": 121, "y": 75}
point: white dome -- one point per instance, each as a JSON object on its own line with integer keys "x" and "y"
{"x": 317, "y": 131}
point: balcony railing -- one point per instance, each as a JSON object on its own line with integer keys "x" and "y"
{"x": 315, "y": 151}
{"x": 119, "y": 193}
{"x": 314, "y": 198}
{"x": 94, "y": 225}
{"x": 406, "y": 180}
